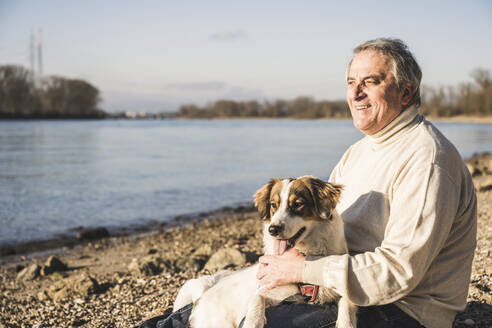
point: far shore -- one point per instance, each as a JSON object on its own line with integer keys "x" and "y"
{"x": 452, "y": 119}
{"x": 462, "y": 119}
{"x": 168, "y": 116}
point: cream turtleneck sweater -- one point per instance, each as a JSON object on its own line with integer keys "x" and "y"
{"x": 409, "y": 209}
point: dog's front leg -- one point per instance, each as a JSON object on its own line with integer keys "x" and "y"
{"x": 347, "y": 314}
{"x": 255, "y": 316}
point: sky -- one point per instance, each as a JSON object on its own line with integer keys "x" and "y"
{"x": 157, "y": 55}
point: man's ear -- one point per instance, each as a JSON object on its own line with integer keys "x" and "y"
{"x": 407, "y": 95}
{"x": 262, "y": 199}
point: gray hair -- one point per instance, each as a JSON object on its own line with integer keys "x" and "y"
{"x": 406, "y": 70}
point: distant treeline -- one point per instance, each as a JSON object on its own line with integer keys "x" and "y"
{"x": 22, "y": 96}
{"x": 301, "y": 107}
{"x": 473, "y": 98}
{"x": 468, "y": 98}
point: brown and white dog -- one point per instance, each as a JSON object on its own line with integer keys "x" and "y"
{"x": 297, "y": 213}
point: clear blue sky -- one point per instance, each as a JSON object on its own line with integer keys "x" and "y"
{"x": 155, "y": 55}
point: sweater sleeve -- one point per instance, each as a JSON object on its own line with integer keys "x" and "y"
{"x": 422, "y": 212}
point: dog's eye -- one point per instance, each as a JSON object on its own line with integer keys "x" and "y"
{"x": 297, "y": 205}
{"x": 273, "y": 205}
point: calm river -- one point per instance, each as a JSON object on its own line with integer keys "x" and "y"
{"x": 56, "y": 175}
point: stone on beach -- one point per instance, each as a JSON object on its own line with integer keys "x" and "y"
{"x": 29, "y": 273}
{"x": 193, "y": 264}
{"x": 483, "y": 183}
{"x": 83, "y": 285}
{"x": 204, "y": 250}
{"x": 224, "y": 258}
{"x": 480, "y": 167}
{"x": 480, "y": 164}
{"x": 53, "y": 264}
{"x": 196, "y": 261}
{"x": 146, "y": 266}
{"x": 92, "y": 233}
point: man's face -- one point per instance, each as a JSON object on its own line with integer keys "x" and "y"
{"x": 372, "y": 94}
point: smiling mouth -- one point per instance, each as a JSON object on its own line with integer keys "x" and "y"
{"x": 281, "y": 245}
{"x": 362, "y": 107}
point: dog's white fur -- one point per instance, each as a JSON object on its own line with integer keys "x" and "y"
{"x": 225, "y": 298}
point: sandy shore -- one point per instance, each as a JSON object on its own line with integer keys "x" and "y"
{"x": 120, "y": 281}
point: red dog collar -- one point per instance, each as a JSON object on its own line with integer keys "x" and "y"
{"x": 310, "y": 291}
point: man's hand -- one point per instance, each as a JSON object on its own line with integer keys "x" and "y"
{"x": 280, "y": 270}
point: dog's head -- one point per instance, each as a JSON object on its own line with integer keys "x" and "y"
{"x": 292, "y": 208}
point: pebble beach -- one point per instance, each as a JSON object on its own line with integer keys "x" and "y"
{"x": 121, "y": 281}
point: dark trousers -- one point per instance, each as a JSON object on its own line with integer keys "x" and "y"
{"x": 288, "y": 315}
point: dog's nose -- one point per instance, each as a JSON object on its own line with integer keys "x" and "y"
{"x": 275, "y": 229}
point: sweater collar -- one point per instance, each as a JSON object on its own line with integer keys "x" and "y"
{"x": 404, "y": 122}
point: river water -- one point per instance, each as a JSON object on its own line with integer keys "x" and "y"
{"x": 57, "y": 175}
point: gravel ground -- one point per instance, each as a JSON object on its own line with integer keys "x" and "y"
{"x": 119, "y": 282}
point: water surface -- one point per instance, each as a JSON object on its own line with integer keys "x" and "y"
{"x": 56, "y": 175}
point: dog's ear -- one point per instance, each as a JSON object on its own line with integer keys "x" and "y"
{"x": 325, "y": 196}
{"x": 262, "y": 199}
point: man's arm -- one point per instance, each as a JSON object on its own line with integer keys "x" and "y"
{"x": 423, "y": 209}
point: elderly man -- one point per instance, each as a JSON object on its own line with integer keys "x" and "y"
{"x": 409, "y": 207}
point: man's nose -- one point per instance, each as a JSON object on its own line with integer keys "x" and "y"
{"x": 356, "y": 91}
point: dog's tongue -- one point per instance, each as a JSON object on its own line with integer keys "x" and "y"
{"x": 280, "y": 246}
